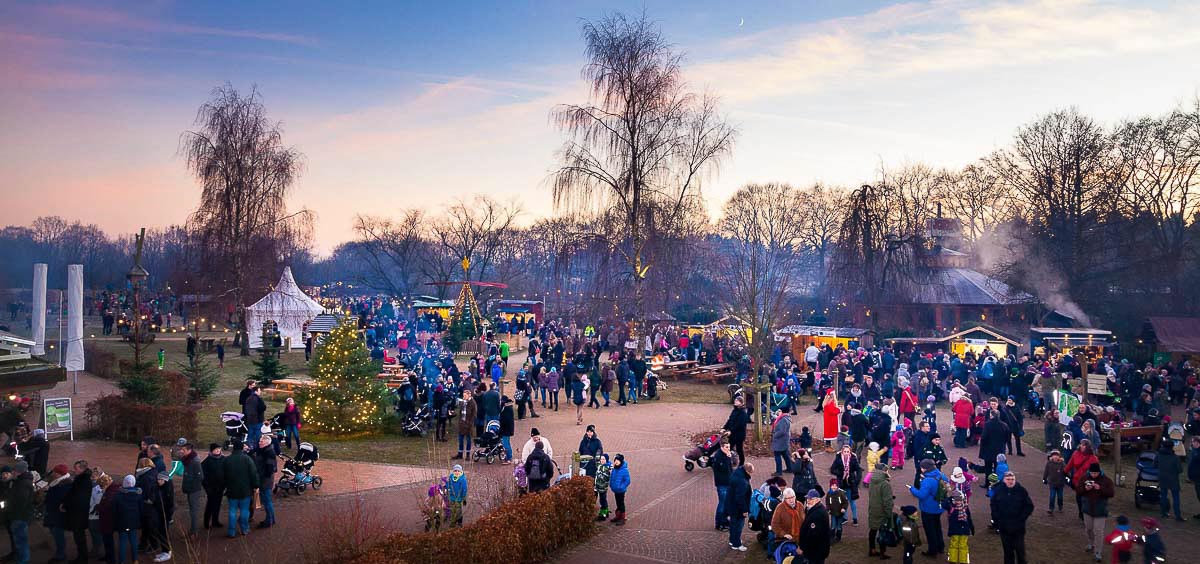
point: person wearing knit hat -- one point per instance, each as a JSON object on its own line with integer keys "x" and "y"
{"x": 535, "y": 436}
{"x": 837, "y": 502}
{"x": 1094, "y": 489}
{"x": 1153, "y": 548}
{"x": 129, "y": 482}
{"x": 456, "y": 494}
{"x": 55, "y": 519}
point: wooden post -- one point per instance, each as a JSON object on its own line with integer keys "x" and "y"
{"x": 1117, "y": 454}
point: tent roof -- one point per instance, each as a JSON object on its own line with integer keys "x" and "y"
{"x": 287, "y": 296}
{"x": 1177, "y": 334}
{"x": 811, "y": 330}
{"x": 324, "y": 323}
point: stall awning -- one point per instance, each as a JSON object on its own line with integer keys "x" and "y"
{"x": 1177, "y": 334}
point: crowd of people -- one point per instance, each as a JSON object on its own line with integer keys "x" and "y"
{"x": 889, "y": 418}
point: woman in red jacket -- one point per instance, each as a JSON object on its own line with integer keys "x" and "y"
{"x": 963, "y": 410}
{"x": 1081, "y": 459}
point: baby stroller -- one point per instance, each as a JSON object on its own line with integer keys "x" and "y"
{"x": 297, "y": 472}
{"x": 276, "y": 424}
{"x": 1145, "y": 488}
{"x": 701, "y": 453}
{"x": 235, "y": 428}
{"x": 414, "y": 424}
{"x": 488, "y": 445}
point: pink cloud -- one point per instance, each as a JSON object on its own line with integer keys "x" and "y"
{"x": 95, "y": 17}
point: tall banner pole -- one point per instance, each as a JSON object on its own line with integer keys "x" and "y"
{"x": 74, "y": 357}
{"x": 38, "y": 324}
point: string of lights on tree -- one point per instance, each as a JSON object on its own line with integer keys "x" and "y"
{"x": 347, "y": 396}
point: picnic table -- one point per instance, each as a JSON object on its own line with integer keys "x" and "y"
{"x": 674, "y": 369}
{"x": 287, "y": 386}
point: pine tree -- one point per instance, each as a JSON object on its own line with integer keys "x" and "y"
{"x": 267, "y": 368}
{"x": 347, "y": 396}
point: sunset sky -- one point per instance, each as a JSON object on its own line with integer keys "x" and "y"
{"x": 413, "y": 104}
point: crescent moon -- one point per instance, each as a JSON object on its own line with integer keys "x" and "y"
{"x": 742, "y": 22}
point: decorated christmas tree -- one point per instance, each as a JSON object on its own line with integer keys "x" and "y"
{"x": 347, "y": 397}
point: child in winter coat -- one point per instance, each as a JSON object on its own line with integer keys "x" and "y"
{"x": 910, "y": 532}
{"x": 836, "y": 502}
{"x": 1121, "y": 541}
{"x": 1053, "y": 476}
{"x": 960, "y": 527}
{"x": 456, "y": 492}
{"x": 805, "y": 439}
{"x": 619, "y": 482}
{"x": 1155, "y": 550}
{"x": 1001, "y": 464}
{"x": 874, "y": 456}
{"x": 898, "y": 440}
{"x": 930, "y": 414}
{"x": 603, "y": 473}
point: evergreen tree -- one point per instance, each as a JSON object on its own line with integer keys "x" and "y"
{"x": 347, "y": 396}
{"x": 460, "y": 332}
{"x": 268, "y": 368}
{"x": 202, "y": 377}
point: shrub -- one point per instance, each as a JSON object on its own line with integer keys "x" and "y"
{"x": 120, "y": 418}
{"x": 99, "y": 362}
{"x": 551, "y": 521}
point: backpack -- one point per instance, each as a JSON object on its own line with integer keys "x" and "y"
{"x": 520, "y": 477}
{"x": 535, "y": 470}
{"x": 942, "y": 495}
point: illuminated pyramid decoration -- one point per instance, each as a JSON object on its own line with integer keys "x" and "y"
{"x": 466, "y": 309}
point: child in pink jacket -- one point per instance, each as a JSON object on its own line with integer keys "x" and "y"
{"x": 898, "y": 441}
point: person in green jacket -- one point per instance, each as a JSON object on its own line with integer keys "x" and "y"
{"x": 241, "y": 479}
{"x": 880, "y": 500}
{"x": 603, "y": 472}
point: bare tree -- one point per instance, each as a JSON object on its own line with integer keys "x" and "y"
{"x": 391, "y": 250}
{"x": 1161, "y": 158}
{"x": 764, "y": 245}
{"x": 245, "y": 172}
{"x": 642, "y": 145}
{"x": 476, "y": 230}
{"x": 976, "y": 197}
{"x": 821, "y": 218}
{"x": 1060, "y": 169}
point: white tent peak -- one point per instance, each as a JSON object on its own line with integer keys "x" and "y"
{"x": 288, "y": 306}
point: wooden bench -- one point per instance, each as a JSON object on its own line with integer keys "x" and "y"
{"x": 714, "y": 373}
{"x": 675, "y": 369}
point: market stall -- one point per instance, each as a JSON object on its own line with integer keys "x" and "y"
{"x": 800, "y": 336}
{"x": 1081, "y": 343}
{"x": 976, "y": 340}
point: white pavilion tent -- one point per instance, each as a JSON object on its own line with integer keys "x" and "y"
{"x": 288, "y": 306}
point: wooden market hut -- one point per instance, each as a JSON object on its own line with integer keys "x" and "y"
{"x": 799, "y": 337}
{"x": 1173, "y": 338}
{"x": 974, "y": 339}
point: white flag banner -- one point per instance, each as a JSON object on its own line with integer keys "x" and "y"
{"x": 73, "y": 359}
{"x": 38, "y": 309}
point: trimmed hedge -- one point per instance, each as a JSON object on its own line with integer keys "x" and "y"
{"x": 527, "y": 530}
{"x": 116, "y": 417}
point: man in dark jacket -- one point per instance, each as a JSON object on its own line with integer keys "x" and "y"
{"x": 737, "y": 504}
{"x": 736, "y": 425}
{"x": 19, "y": 509}
{"x": 163, "y": 506}
{"x": 1169, "y": 468}
{"x": 1094, "y": 489}
{"x": 815, "y": 536}
{"x": 214, "y": 485}
{"x": 722, "y": 467}
{"x": 1011, "y": 508}
{"x": 992, "y": 440}
{"x": 637, "y": 370}
{"x": 55, "y": 517}
{"x": 622, "y": 379}
{"x": 193, "y": 485}
{"x": 539, "y": 469}
{"x": 490, "y": 404}
{"x": 76, "y": 507}
{"x": 507, "y": 427}
{"x": 240, "y": 477}
{"x": 264, "y": 460}
{"x": 1193, "y": 468}
{"x": 1014, "y": 418}
{"x": 252, "y": 415}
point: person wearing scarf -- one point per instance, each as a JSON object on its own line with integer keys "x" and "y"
{"x": 960, "y": 528}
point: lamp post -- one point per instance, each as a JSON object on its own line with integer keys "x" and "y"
{"x": 136, "y": 276}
